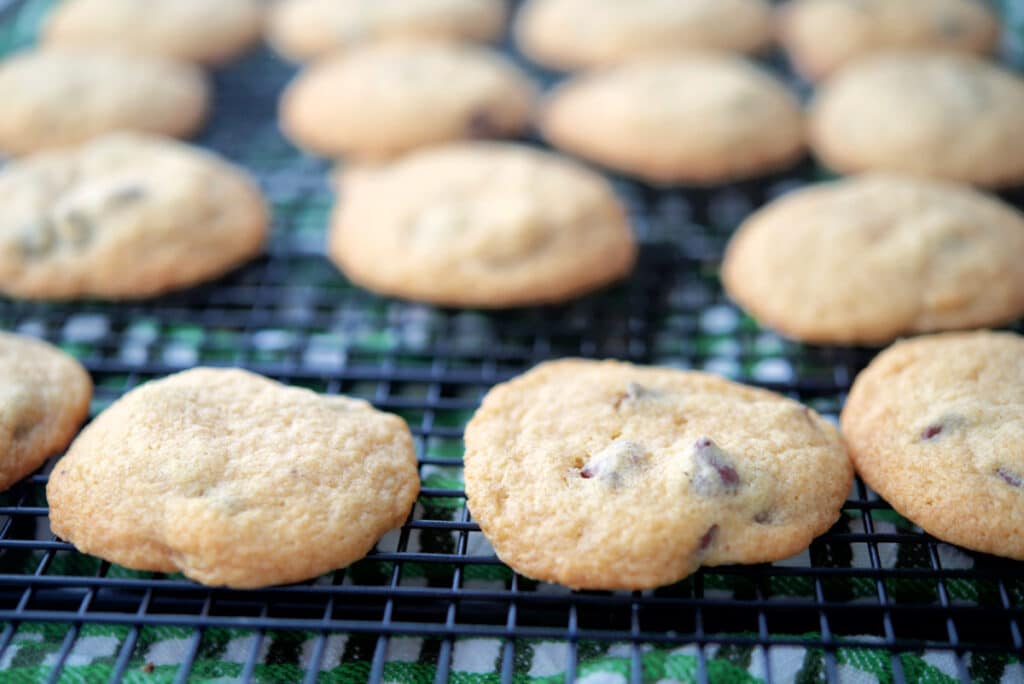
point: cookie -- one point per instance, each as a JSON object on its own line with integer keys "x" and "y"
{"x": 234, "y": 479}
{"x": 821, "y": 36}
{"x": 575, "y": 34}
{"x": 934, "y": 426}
{"x": 59, "y": 98}
{"x": 122, "y": 217}
{"x": 694, "y": 119}
{"x": 873, "y": 257}
{"x": 950, "y": 116}
{"x": 306, "y": 29}
{"x": 383, "y": 100}
{"x": 190, "y": 30}
{"x": 606, "y": 475}
{"x": 44, "y": 397}
{"x": 480, "y": 225}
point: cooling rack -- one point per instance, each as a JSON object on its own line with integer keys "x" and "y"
{"x": 874, "y": 593}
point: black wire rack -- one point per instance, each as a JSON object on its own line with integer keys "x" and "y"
{"x": 874, "y": 584}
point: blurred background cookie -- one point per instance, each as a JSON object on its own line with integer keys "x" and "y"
{"x": 204, "y": 31}
{"x": 304, "y": 29}
{"x": 944, "y": 115}
{"x": 381, "y": 100}
{"x": 58, "y": 98}
{"x": 480, "y": 224}
{"x": 690, "y": 119}
{"x": 824, "y": 35}
{"x": 869, "y": 258}
{"x": 574, "y": 34}
{"x": 123, "y": 217}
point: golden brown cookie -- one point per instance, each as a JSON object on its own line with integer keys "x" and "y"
{"x": 386, "y": 99}
{"x": 873, "y": 257}
{"x": 306, "y": 29}
{"x": 606, "y": 475}
{"x": 934, "y": 425}
{"x": 574, "y": 34}
{"x": 206, "y": 31}
{"x": 44, "y": 397}
{"x": 63, "y": 97}
{"x": 234, "y": 479}
{"x": 122, "y": 217}
{"x": 823, "y": 35}
{"x": 943, "y": 115}
{"x": 693, "y": 119}
{"x": 480, "y": 225}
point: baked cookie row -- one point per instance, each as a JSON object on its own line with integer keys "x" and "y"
{"x": 597, "y": 475}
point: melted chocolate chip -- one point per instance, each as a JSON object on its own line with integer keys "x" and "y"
{"x": 763, "y": 518}
{"x": 1010, "y": 477}
{"x": 37, "y": 240}
{"x": 613, "y": 463}
{"x": 709, "y": 537}
{"x": 481, "y": 124}
{"x": 713, "y": 475}
{"x": 126, "y": 195}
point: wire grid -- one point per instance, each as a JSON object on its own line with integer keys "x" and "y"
{"x": 873, "y": 583}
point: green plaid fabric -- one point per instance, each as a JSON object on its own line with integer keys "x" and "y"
{"x": 155, "y": 653}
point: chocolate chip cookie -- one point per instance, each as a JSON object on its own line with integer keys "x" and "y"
{"x": 64, "y": 97}
{"x": 934, "y": 425}
{"x": 575, "y": 34}
{"x": 44, "y": 397}
{"x": 822, "y": 36}
{"x": 383, "y": 100}
{"x": 606, "y": 475}
{"x": 943, "y": 115}
{"x": 190, "y": 30}
{"x": 873, "y": 257}
{"x": 307, "y": 29}
{"x": 694, "y": 119}
{"x": 122, "y": 217}
{"x": 234, "y": 479}
{"x": 480, "y": 225}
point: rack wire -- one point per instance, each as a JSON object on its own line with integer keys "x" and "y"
{"x": 874, "y": 586}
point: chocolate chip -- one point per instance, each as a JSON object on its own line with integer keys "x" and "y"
{"x": 708, "y": 538}
{"x": 763, "y": 518}
{"x": 613, "y": 463}
{"x": 76, "y": 229}
{"x": 1010, "y": 477}
{"x": 946, "y": 423}
{"x": 951, "y": 27}
{"x": 635, "y": 392}
{"x": 481, "y": 124}
{"x": 713, "y": 474}
{"x": 126, "y": 195}
{"x": 37, "y": 240}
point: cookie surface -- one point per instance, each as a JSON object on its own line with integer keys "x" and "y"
{"x": 480, "y": 224}
{"x": 122, "y": 217}
{"x": 63, "y": 97}
{"x": 948, "y": 116}
{"x": 190, "y": 30}
{"x": 823, "y": 35}
{"x": 870, "y": 258}
{"x": 934, "y": 426}
{"x": 605, "y": 475}
{"x": 234, "y": 479}
{"x": 44, "y": 397}
{"x": 574, "y": 34}
{"x": 697, "y": 119}
{"x": 384, "y": 99}
{"x": 306, "y": 29}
